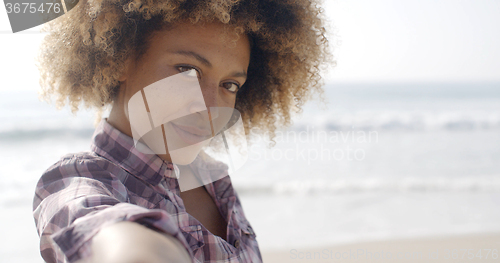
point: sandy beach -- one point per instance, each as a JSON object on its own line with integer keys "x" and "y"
{"x": 461, "y": 248}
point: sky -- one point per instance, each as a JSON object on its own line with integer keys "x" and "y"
{"x": 415, "y": 40}
{"x": 372, "y": 41}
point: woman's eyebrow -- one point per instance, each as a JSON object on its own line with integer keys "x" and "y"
{"x": 240, "y": 74}
{"x": 195, "y": 55}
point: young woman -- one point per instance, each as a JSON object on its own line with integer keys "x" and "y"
{"x": 118, "y": 203}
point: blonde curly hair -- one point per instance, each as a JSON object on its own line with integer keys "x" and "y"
{"x": 84, "y": 53}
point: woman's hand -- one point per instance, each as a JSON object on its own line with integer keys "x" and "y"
{"x": 129, "y": 242}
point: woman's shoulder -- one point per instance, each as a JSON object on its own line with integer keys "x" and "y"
{"x": 82, "y": 170}
{"x": 83, "y": 166}
{"x": 78, "y": 164}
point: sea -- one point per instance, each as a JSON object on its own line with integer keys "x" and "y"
{"x": 364, "y": 162}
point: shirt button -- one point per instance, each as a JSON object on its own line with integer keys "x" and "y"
{"x": 237, "y": 243}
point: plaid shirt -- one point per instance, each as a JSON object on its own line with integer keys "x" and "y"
{"x": 84, "y": 192}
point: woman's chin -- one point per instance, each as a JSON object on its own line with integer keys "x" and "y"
{"x": 187, "y": 155}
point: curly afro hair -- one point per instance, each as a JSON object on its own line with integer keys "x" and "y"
{"x": 84, "y": 53}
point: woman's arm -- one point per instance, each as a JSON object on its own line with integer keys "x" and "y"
{"x": 76, "y": 201}
{"x": 129, "y": 242}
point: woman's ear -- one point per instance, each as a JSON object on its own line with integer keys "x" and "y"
{"x": 126, "y": 68}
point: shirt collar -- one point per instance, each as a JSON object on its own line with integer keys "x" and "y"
{"x": 119, "y": 148}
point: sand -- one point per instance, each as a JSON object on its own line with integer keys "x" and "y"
{"x": 463, "y": 248}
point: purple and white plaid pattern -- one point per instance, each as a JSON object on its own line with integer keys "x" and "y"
{"x": 84, "y": 192}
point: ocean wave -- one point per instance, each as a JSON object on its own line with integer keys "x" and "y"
{"x": 12, "y": 194}
{"x": 405, "y": 185}
{"x": 330, "y": 121}
{"x": 36, "y": 134}
{"x": 401, "y": 120}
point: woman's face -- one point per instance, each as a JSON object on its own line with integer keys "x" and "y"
{"x": 186, "y": 75}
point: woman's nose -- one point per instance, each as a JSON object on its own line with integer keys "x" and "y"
{"x": 207, "y": 99}
{"x": 211, "y": 96}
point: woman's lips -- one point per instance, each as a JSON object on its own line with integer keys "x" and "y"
{"x": 191, "y": 134}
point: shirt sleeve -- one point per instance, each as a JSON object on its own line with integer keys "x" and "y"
{"x": 75, "y": 198}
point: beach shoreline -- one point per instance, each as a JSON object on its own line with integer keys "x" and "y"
{"x": 456, "y": 248}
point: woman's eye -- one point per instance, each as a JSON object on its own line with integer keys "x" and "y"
{"x": 188, "y": 71}
{"x": 231, "y": 86}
